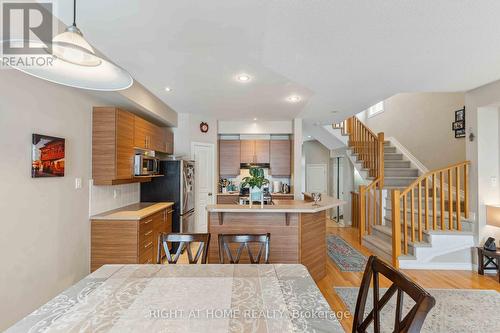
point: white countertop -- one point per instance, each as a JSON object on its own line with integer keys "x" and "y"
{"x": 280, "y": 206}
{"x": 133, "y": 212}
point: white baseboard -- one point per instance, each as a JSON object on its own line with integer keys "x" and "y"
{"x": 455, "y": 266}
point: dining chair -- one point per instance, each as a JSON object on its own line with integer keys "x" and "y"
{"x": 401, "y": 284}
{"x": 244, "y": 241}
{"x": 184, "y": 241}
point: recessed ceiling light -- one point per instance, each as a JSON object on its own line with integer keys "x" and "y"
{"x": 294, "y": 99}
{"x": 309, "y": 136}
{"x": 244, "y": 77}
{"x": 254, "y": 119}
{"x": 168, "y": 89}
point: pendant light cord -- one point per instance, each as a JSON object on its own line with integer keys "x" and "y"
{"x": 74, "y": 13}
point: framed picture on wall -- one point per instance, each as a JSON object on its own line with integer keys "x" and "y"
{"x": 457, "y": 125}
{"x": 460, "y": 133}
{"x": 48, "y": 155}
{"x": 460, "y": 115}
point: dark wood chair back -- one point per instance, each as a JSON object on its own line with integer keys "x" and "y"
{"x": 401, "y": 284}
{"x": 184, "y": 241}
{"x": 244, "y": 241}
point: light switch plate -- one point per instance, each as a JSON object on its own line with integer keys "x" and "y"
{"x": 78, "y": 183}
{"x": 494, "y": 181}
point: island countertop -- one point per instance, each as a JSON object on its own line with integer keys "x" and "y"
{"x": 279, "y": 206}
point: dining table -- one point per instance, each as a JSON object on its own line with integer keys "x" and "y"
{"x": 187, "y": 298}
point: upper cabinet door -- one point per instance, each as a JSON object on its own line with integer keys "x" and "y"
{"x": 247, "y": 154}
{"x": 142, "y": 132}
{"x": 229, "y": 158}
{"x": 124, "y": 145}
{"x": 280, "y": 157}
{"x": 261, "y": 151}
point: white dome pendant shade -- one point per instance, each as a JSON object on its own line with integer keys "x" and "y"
{"x": 74, "y": 63}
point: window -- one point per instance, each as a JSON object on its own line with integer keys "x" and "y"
{"x": 375, "y": 109}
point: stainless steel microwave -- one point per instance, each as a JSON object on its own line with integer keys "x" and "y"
{"x": 146, "y": 165}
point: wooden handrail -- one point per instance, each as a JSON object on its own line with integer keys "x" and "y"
{"x": 450, "y": 206}
{"x": 369, "y": 148}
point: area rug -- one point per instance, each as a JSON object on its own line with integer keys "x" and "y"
{"x": 347, "y": 258}
{"x": 456, "y": 310}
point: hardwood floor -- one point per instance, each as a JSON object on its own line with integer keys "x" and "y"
{"x": 426, "y": 278}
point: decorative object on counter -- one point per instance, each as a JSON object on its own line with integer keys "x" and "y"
{"x": 316, "y": 196}
{"x": 255, "y": 182}
{"x": 459, "y": 124}
{"x": 48, "y": 154}
{"x": 277, "y": 186}
{"x": 204, "y": 127}
{"x": 285, "y": 188}
{"x": 223, "y": 184}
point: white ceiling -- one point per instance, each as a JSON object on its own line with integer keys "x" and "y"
{"x": 337, "y": 54}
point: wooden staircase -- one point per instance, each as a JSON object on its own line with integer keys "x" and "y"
{"x": 435, "y": 203}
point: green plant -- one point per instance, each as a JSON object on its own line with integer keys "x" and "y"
{"x": 256, "y": 179}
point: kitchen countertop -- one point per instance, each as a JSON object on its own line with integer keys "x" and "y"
{"x": 280, "y": 206}
{"x": 133, "y": 212}
{"x": 238, "y": 193}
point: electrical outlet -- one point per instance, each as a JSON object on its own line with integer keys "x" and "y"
{"x": 78, "y": 183}
{"x": 115, "y": 194}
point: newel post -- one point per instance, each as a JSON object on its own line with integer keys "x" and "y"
{"x": 380, "y": 175}
{"x": 396, "y": 227}
{"x": 362, "y": 212}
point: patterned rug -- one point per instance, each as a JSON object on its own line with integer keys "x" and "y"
{"x": 344, "y": 255}
{"x": 456, "y": 310}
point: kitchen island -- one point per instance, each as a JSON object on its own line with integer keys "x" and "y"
{"x": 297, "y": 228}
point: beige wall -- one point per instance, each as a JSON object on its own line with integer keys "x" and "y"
{"x": 422, "y": 123}
{"x": 44, "y": 242}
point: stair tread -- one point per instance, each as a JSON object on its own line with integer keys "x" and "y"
{"x": 379, "y": 243}
{"x": 388, "y": 231}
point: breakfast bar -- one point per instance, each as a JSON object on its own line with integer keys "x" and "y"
{"x": 297, "y": 228}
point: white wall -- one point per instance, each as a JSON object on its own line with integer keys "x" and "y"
{"x": 422, "y": 123}
{"x": 188, "y": 130}
{"x": 315, "y": 153}
{"x": 481, "y": 115}
{"x": 255, "y": 127}
{"x": 44, "y": 243}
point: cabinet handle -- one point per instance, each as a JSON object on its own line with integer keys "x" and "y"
{"x": 148, "y": 221}
{"x": 148, "y": 245}
{"x": 148, "y": 233}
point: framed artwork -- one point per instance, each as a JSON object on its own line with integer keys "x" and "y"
{"x": 47, "y": 159}
{"x": 460, "y": 133}
{"x": 460, "y": 115}
{"x": 458, "y": 126}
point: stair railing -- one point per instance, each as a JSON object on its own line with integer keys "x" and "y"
{"x": 410, "y": 219}
{"x": 369, "y": 148}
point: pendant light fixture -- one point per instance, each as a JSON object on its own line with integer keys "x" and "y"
{"x": 75, "y": 64}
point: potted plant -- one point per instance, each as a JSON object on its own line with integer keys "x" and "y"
{"x": 255, "y": 182}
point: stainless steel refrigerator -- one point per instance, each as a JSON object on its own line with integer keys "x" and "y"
{"x": 176, "y": 185}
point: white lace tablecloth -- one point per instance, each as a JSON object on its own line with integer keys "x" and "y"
{"x": 187, "y": 298}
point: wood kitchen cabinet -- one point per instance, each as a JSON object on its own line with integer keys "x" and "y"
{"x": 115, "y": 135}
{"x": 112, "y": 145}
{"x": 152, "y": 137}
{"x": 128, "y": 241}
{"x": 254, "y": 151}
{"x": 280, "y": 154}
{"x": 229, "y": 158}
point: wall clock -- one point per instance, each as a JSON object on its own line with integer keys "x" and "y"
{"x": 204, "y": 127}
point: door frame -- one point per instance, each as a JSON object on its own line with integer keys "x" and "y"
{"x": 211, "y": 146}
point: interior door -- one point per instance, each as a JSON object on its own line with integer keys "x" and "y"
{"x": 204, "y": 156}
{"x": 316, "y": 178}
